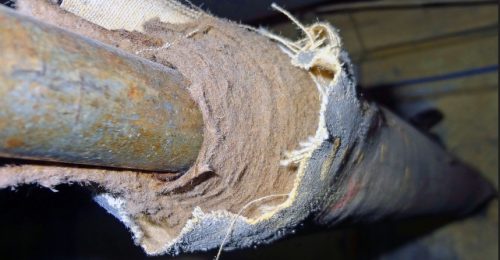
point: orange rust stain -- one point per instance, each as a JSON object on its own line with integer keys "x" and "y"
{"x": 134, "y": 93}
{"x": 13, "y": 142}
{"x": 153, "y": 41}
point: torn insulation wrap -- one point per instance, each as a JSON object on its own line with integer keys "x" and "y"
{"x": 280, "y": 117}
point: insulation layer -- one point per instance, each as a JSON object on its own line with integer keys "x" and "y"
{"x": 68, "y": 99}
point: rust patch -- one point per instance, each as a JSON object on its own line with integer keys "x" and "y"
{"x": 13, "y": 142}
{"x": 134, "y": 93}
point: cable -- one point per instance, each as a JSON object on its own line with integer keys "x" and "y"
{"x": 390, "y": 4}
{"x": 447, "y": 76}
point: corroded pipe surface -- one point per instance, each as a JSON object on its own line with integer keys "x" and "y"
{"x": 66, "y": 98}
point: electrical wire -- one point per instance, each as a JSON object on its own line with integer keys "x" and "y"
{"x": 392, "y": 4}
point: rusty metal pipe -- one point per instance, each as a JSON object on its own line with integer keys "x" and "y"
{"x": 66, "y": 98}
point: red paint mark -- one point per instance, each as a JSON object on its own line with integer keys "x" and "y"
{"x": 352, "y": 191}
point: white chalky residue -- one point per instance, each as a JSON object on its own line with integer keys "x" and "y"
{"x": 116, "y": 207}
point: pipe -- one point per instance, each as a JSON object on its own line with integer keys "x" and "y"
{"x": 66, "y": 98}
{"x": 365, "y": 164}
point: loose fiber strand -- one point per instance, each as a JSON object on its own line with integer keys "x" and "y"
{"x": 293, "y": 19}
{"x": 231, "y": 226}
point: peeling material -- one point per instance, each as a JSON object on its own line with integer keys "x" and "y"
{"x": 109, "y": 13}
